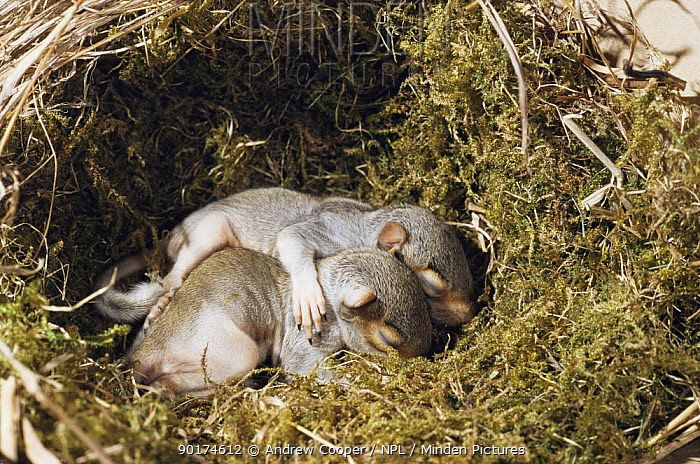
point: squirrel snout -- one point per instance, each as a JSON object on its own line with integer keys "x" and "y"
{"x": 451, "y": 309}
{"x": 384, "y": 337}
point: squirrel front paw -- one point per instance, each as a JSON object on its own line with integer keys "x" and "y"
{"x": 309, "y": 307}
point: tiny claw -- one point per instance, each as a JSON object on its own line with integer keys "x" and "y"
{"x": 299, "y": 327}
{"x": 310, "y": 341}
{"x": 324, "y": 317}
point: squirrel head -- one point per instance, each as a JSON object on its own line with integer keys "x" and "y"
{"x": 377, "y": 301}
{"x": 433, "y": 252}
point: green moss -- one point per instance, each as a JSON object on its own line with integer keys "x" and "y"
{"x": 587, "y": 340}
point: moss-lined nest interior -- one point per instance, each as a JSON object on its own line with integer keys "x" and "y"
{"x": 587, "y": 341}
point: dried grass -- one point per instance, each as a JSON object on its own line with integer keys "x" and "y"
{"x": 41, "y": 38}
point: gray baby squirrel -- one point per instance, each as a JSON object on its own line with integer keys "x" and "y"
{"x": 233, "y": 312}
{"x": 297, "y": 228}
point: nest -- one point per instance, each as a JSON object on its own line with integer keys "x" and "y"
{"x": 119, "y": 118}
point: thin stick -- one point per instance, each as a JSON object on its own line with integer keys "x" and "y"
{"x": 9, "y": 417}
{"x": 481, "y": 232}
{"x": 18, "y": 270}
{"x": 683, "y": 419}
{"x": 87, "y": 299}
{"x": 503, "y": 34}
{"x": 690, "y": 435}
{"x": 34, "y": 448}
{"x": 590, "y": 144}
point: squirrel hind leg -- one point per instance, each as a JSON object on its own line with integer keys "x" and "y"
{"x": 218, "y": 351}
{"x": 202, "y": 234}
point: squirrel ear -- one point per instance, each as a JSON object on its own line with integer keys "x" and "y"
{"x": 392, "y": 237}
{"x": 356, "y": 298}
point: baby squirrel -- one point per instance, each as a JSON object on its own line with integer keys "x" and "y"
{"x": 233, "y": 312}
{"x": 297, "y": 228}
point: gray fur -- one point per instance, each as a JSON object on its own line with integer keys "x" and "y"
{"x": 311, "y": 228}
{"x": 254, "y": 292}
{"x": 132, "y": 305}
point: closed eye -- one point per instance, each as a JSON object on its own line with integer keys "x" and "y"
{"x": 346, "y": 315}
{"x": 390, "y": 335}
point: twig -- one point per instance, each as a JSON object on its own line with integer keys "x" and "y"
{"x": 44, "y": 235}
{"x": 110, "y": 450}
{"x": 9, "y": 416}
{"x": 684, "y": 419}
{"x": 33, "y": 447}
{"x": 497, "y": 24}
{"x": 87, "y": 299}
{"x": 482, "y": 232}
{"x": 590, "y": 144}
{"x": 592, "y": 36}
{"x": 687, "y": 437}
{"x": 567, "y": 440}
{"x": 596, "y": 197}
{"x": 16, "y": 269}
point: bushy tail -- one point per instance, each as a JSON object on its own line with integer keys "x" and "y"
{"x": 132, "y": 305}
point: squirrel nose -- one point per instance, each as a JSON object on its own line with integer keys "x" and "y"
{"x": 407, "y": 347}
{"x": 388, "y": 337}
{"x": 451, "y": 309}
